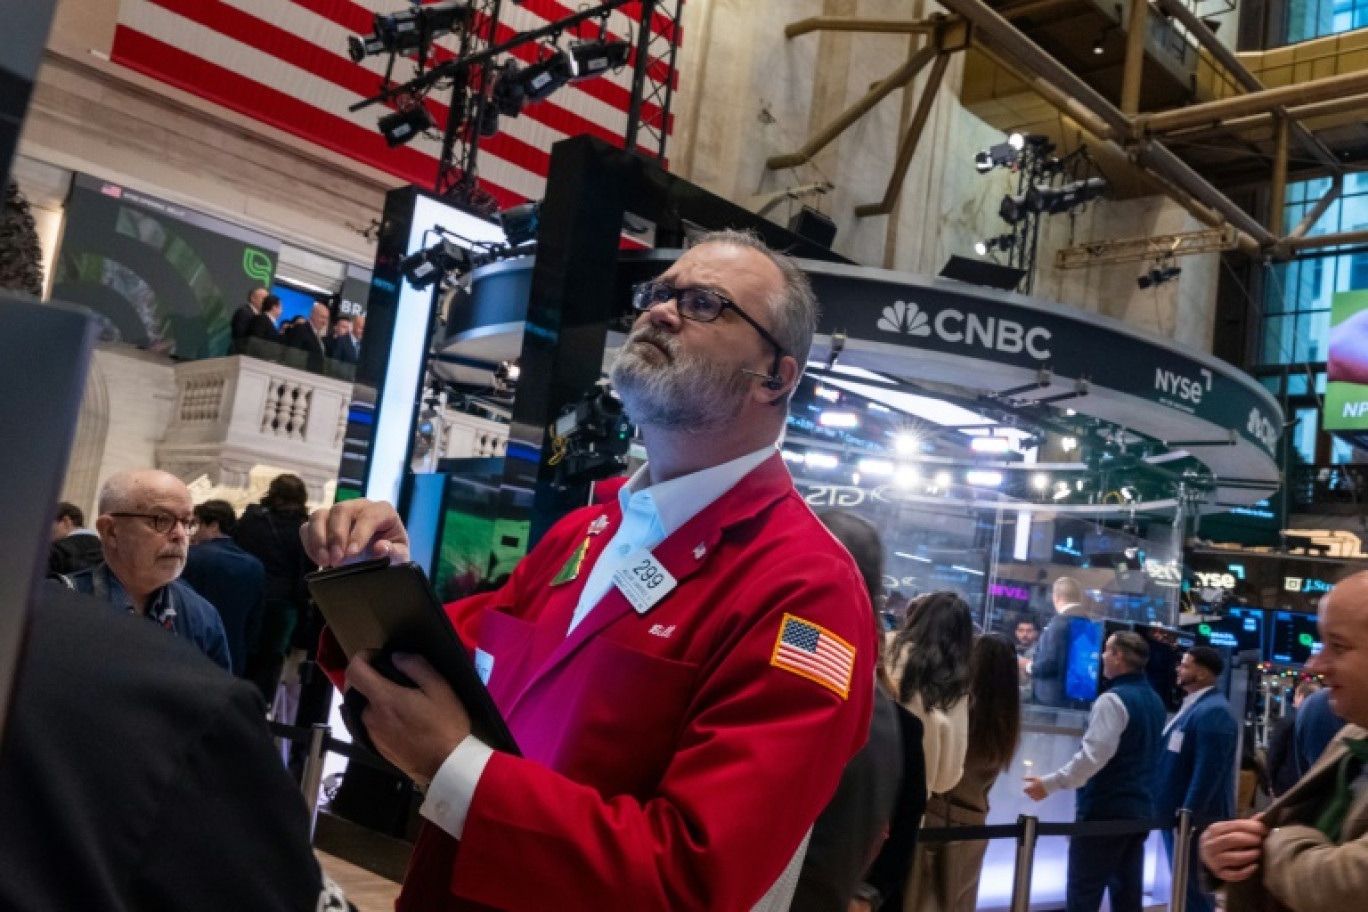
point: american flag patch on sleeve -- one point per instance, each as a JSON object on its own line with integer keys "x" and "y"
{"x": 814, "y": 653}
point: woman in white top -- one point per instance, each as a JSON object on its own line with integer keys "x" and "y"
{"x": 929, "y": 661}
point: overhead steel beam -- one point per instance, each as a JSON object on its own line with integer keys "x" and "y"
{"x": 1213, "y": 112}
{"x": 895, "y": 80}
{"x": 1277, "y": 192}
{"x": 1309, "y": 221}
{"x": 1349, "y": 103}
{"x": 854, "y": 24}
{"x": 1167, "y": 165}
{"x": 1297, "y": 245}
{"x": 1006, "y": 36}
{"x": 1137, "y": 27}
{"x": 1236, "y": 68}
{"x": 909, "y": 141}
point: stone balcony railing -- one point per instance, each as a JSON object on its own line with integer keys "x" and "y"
{"x": 238, "y": 413}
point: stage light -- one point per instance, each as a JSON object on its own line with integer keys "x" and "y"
{"x": 596, "y": 56}
{"x": 1003, "y": 242}
{"x": 880, "y": 468}
{"x": 815, "y": 459}
{"x": 1158, "y": 276}
{"x": 1000, "y": 155}
{"x": 792, "y": 456}
{"x": 508, "y": 95}
{"x": 360, "y": 47}
{"x": 413, "y": 29}
{"x": 1040, "y": 481}
{"x": 906, "y": 444}
{"x": 1012, "y": 209}
{"x": 981, "y": 248}
{"x": 1100, "y": 45}
{"x": 828, "y": 393}
{"x": 402, "y": 126}
{"x": 981, "y": 479}
{"x": 990, "y": 444}
{"x": 1017, "y": 141}
{"x": 1061, "y": 490}
{"x": 942, "y": 479}
{"x": 506, "y": 374}
{"x": 841, "y": 420}
{"x": 983, "y": 162}
{"x": 1069, "y": 444}
{"x": 489, "y": 120}
{"x": 545, "y": 76}
{"x": 429, "y": 265}
{"x": 906, "y": 476}
{"x": 520, "y": 223}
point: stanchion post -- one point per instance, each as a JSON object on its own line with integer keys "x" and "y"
{"x": 1182, "y": 850}
{"x": 1025, "y": 861}
{"x": 311, "y": 783}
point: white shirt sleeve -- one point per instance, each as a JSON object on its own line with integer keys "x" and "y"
{"x": 448, "y": 798}
{"x": 1105, "y": 725}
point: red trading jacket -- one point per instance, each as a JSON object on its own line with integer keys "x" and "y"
{"x": 669, "y": 764}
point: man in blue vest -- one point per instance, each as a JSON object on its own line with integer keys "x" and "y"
{"x": 1197, "y": 759}
{"x": 1114, "y": 774}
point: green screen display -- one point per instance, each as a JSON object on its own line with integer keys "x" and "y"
{"x": 1346, "y": 392}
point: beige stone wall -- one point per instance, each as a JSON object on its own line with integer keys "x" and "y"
{"x": 749, "y": 93}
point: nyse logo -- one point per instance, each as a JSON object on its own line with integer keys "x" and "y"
{"x": 1174, "y": 384}
{"x": 1215, "y": 580}
{"x": 970, "y": 329}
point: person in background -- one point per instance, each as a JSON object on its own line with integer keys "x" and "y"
{"x": 74, "y": 547}
{"x": 263, "y": 325}
{"x": 310, "y": 337}
{"x": 240, "y": 327}
{"x": 232, "y": 580}
{"x": 945, "y": 875}
{"x": 359, "y": 328}
{"x": 1051, "y": 661}
{"x": 882, "y": 792}
{"x": 145, "y": 523}
{"x": 1114, "y": 774}
{"x": 342, "y": 346}
{"x": 1308, "y": 852}
{"x": 1026, "y": 637}
{"x": 929, "y": 661}
{"x": 1197, "y": 761}
{"x": 1316, "y": 726}
{"x": 136, "y": 775}
{"x": 1282, "y": 755}
{"x": 269, "y": 531}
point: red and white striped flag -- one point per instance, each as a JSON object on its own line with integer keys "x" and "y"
{"x": 285, "y": 63}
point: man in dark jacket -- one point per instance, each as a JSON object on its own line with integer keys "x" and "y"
{"x": 1197, "y": 760}
{"x": 74, "y": 547}
{"x": 308, "y": 337}
{"x": 241, "y": 324}
{"x": 1051, "y": 662}
{"x": 136, "y": 775}
{"x": 1114, "y": 774}
{"x": 232, "y": 580}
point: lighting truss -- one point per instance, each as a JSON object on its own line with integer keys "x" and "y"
{"x": 1147, "y": 249}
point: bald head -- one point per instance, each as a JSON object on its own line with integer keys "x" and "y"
{"x": 133, "y": 505}
{"x": 318, "y": 316}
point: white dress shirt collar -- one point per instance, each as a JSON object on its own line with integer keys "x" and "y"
{"x": 679, "y": 500}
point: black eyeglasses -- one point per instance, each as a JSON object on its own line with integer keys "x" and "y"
{"x": 163, "y": 523}
{"x": 699, "y": 305}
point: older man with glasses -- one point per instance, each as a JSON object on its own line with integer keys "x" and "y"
{"x": 145, "y": 522}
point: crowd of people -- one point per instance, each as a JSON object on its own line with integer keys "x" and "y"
{"x": 709, "y": 712}
{"x": 326, "y": 344}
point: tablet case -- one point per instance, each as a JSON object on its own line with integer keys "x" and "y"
{"x": 392, "y": 608}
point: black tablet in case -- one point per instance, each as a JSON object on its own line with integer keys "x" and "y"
{"x": 392, "y": 608}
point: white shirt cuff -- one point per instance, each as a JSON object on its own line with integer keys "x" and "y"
{"x": 447, "y": 803}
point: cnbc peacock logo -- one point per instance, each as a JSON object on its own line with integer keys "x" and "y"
{"x": 257, "y": 264}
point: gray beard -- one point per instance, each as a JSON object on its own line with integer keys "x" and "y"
{"x": 686, "y": 394}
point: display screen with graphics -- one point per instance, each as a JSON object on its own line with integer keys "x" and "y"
{"x": 1346, "y": 391}
{"x": 1295, "y": 638}
{"x": 1241, "y": 629}
{"x": 1252, "y": 579}
{"x": 158, "y": 275}
{"x": 1085, "y": 659}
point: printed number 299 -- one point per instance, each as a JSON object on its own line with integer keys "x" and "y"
{"x": 649, "y": 574}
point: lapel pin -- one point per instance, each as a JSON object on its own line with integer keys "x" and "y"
{"x": 699, "y": 551}
{"x": 598, "y": 525}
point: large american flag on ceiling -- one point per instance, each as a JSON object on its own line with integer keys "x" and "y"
{"x": 285, "y": 63}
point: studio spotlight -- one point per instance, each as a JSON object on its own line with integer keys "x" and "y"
{"x": 410, "y": 30}
{"x": 429, "y": 265}
{"x": 596, "y": 56}
{"x": 1003, "y": 242}
{"x": 983, "y": 162}
{"x": 1100, "y": 45}
{"x": 360, "y": 47}
{"x": 1012, "y": 209}
{"x": 1040, "y": 481}
{"x": 520, "y": 223}
{"x": 508, "y": 95}
{"x": 545, "y": 76}
{"x": 1158, "y": 276}
{"x": 506, "y": 375}
{"x": 402, "y": 126}
{"x": 489, "y": 119}
{"x": 981, "y": 248}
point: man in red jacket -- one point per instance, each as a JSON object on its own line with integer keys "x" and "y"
{"x": 687, "y": 669}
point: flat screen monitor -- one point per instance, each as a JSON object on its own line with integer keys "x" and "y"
{"x": 1295, "y": 638}
{"x": 1085, "y": 660}
{"x": 1240, "y": 630}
